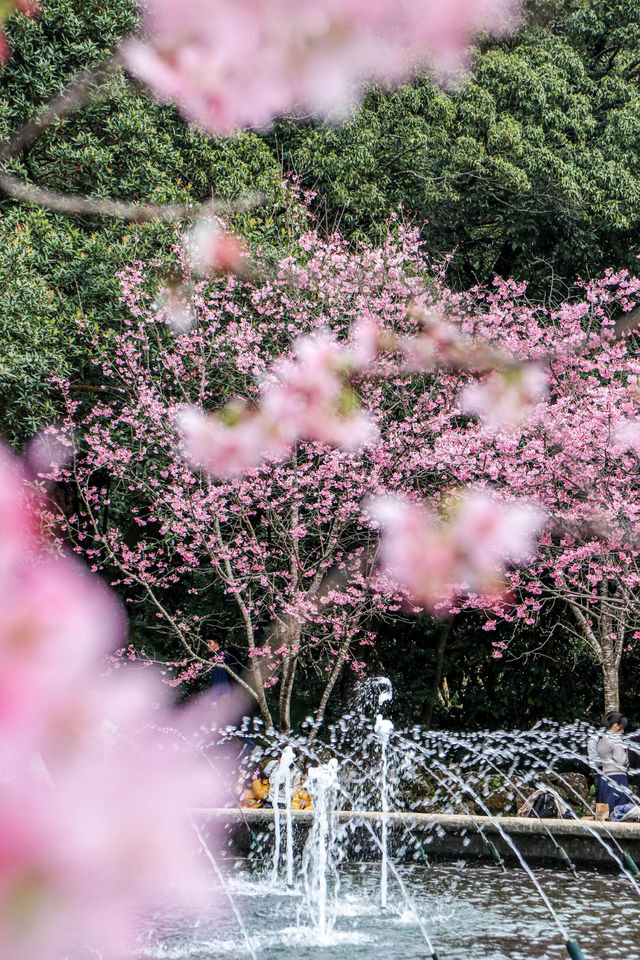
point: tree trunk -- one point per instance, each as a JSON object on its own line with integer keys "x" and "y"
{"x": 427, "y": 707}
{"x": 611, "y": 686}
{"x": 260, "y": 694}
{"x": 287, "y": 677}
{"x": 287, "y": 691}
{"x": 607, "y": 644}
{"x": 335, "y": 673}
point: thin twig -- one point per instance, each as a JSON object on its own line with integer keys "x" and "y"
{"x": 104, "y": 207}
{"x": 74, "y": 97}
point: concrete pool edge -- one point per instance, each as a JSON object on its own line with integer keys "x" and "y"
{"x": 447, "y": 836}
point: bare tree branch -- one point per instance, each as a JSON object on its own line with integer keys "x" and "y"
{"x": 104, "y": 207}
{"x": 74, "y": 97}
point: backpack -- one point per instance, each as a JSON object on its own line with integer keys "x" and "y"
{"x": 545, "y": 806}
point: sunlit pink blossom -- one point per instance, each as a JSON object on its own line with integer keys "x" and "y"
{"x": 368, "y": 340}
{"x": 235, "y": 63}
{"x": 627, "y": 436}
{"x": 306, "y": 397}
{"x": 178, "y": 310}
{"x": 311, "y": 397}
{"x": 490, "y": 531}
{"x": 30, "y": 8}
{"x": 82, "y": 857}
{"x": 439, "y": 343}
{"x": 506, "y": 398}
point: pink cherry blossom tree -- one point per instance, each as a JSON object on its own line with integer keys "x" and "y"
{"x": 570, "y": 445}
{"x": 286, "y": 541}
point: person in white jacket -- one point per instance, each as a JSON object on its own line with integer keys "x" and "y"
{"x": 595, "y": 764}
{"x": 614, "y": 757}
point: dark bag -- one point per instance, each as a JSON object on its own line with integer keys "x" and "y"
{"x": 545, "y": 807}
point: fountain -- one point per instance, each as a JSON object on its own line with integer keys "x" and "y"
{"x": 282, "y": 776}
{"x": 437, "y": 849}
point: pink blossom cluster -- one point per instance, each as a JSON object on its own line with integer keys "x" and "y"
{"x": 241, "y": 63}
{"x": 506, "y": 398}
{"x": 308, "y": 394}
{"x": 89, "y": 834}
{"x": 306, "y": 397}
{"x": 436, "y": 561}
{"x": 215, "y": 250}
{"x": 577, "y": 456}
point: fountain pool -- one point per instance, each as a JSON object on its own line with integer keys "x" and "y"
{"x": 469, "y": 911}
{"x": 358, "y": 875}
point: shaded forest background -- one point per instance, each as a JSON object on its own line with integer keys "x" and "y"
{"x": 530, "y": 170}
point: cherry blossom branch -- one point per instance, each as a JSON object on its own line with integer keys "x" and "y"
{"x": 75, "y": 96}
{"x": 128, "y": 572}
{"x": 123, "y": 568}
{"x": 244, "y": 612}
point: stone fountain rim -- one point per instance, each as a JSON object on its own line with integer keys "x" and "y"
{"x": 448, "y": 821}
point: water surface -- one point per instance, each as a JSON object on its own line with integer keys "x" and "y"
{"x": 469, "y": 912}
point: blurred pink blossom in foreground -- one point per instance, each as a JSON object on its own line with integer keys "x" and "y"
{"x": 506, "y": 398}
{"x": 90, "y": 834}
{"x": 627, "y": 436}
{"x": 215, "y": 250}
{"x": 229, "y": 449}
{"x": 241, "y": 63}
{"x": 29, "y": 8}
{"x": 306, "y": 398}
{"x": 437, "y": 561}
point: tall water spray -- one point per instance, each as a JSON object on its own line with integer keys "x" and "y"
{"x": 319, "y": 861}
{"x": 282, "y": 776}
{"x": 383, "y": 730}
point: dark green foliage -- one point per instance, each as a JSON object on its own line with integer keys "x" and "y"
{"x": 531, "y": 169}
{"x": 545, "y": 674}
{"x": 123, "y": 145}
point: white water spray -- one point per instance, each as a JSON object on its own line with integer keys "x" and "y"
{"x": 282, "y": 776}
{"x": 319, "y": 857}
{"x": 383, "y": 730}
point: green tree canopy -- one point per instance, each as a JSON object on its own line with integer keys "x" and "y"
{"x": 531, "y": 169}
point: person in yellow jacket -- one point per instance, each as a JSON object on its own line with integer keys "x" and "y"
{"x": 301, "y": 800}
{"x": 257, "y": 793}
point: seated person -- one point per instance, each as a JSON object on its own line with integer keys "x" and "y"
{"x": 301, "y": 799}
{"x": 257, "y": 794}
